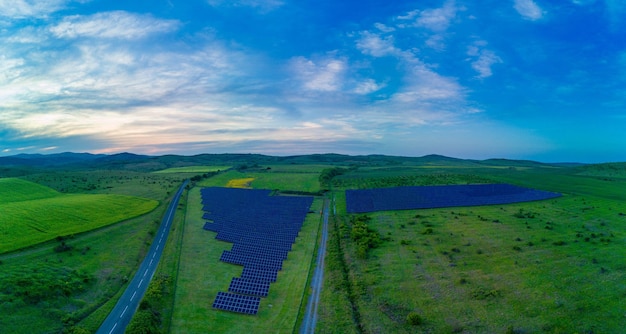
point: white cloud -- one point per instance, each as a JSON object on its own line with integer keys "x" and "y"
{"x": 434, "y": 22}
{"x": 482, "y": 59}
{"x": 367, "y": 86}
{"x": 19, "y": 9}
{"x": 117, "y": 24}
{"x": 408, "y": 16}
{"x": 426, "y": 85}
{"x": 484, "y": 62}
{"x": 437, "y": 19}
{"x": 325, "y": 75}
{"x": 374, "y": 45}
{"x": 384, "y": 28}
{"x": 528, "y": 9}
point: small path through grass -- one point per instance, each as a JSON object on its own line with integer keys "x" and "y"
{"x": 310, "y": 316}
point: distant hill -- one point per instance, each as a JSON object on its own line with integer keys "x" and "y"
{"x": 136, "y": 162}
{"x": 56, "y": 159}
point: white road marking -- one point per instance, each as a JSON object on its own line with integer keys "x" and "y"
{"x": 112, "y": 329}
{"x": 133, "y": 296}
{"x": 125, "y": 308}
{"x": 153, "y": 254}
{"x": 140, "y": 282}
{"x": 150, "y": 263}
{"x": 145, "y": 272}
{"x": 158, "y": 247}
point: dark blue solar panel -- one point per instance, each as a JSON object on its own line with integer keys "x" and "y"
{"x": 424, "y": 197}
{"x": 249, "y": 287}
{"x": 237, "y": 303}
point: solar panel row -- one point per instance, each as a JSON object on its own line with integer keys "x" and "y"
{"x": 252, "y": 261}
{"x": 424, "y": 197}
{"x": 237, "y": 303}
{"x": 259, "y": 274}
{"x": 262, "y": 229}
{"x": 249, "y": 287}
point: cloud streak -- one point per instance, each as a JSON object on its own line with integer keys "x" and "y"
{"x": 112, "y": 25}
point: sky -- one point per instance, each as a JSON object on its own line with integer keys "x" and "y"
{"x": 520, "y": 79}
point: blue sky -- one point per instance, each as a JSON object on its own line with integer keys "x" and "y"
{"x": 523, "y": 79}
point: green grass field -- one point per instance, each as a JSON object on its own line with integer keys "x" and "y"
{"x": 201, "y": 275}
{"x": 39, "y": 214}
{"x": 282, "y": 178}
{"x": 557, "y": 269}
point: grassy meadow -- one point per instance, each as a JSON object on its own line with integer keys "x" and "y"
{"x": 548, "y": 266}
{"x": 201, "y": 275}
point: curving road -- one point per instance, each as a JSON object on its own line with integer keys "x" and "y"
{"x": 310, "y": 315}
{"x": 125, "y": 308}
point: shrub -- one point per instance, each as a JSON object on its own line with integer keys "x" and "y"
{"x": 414, "y": 319}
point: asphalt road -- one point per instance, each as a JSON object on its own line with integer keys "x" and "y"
{"x": 125, "y": 308}
{"x": 310, "y": 315}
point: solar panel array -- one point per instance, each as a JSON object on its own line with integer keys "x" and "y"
{"x": 262, "y": 229}
{"x": 426, "y": 197}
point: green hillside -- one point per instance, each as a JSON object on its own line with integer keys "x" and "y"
{"x": 32, "y": 213}
{"x": 17, "y": 190}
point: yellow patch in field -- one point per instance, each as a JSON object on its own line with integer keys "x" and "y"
{"x": 240, "y": 183}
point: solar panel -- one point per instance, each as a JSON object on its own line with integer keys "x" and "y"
{"x": 237, "y": 303}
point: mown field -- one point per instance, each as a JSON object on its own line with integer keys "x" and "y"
{"x": 69, "y": 284}
{"x": 549, "y": 266}
{"x": 201, "y": 275}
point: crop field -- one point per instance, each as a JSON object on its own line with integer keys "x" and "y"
{"x": 26, "y": 222}
{"x": 201, "y": 275}
{"x": 548, "y": 266}
{"x": 193, "y": 169}
{"x": 240, "y": 183}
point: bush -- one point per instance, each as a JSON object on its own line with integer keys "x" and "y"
{"x": 414, "y": 319}
{"x": 364, "y": 237}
